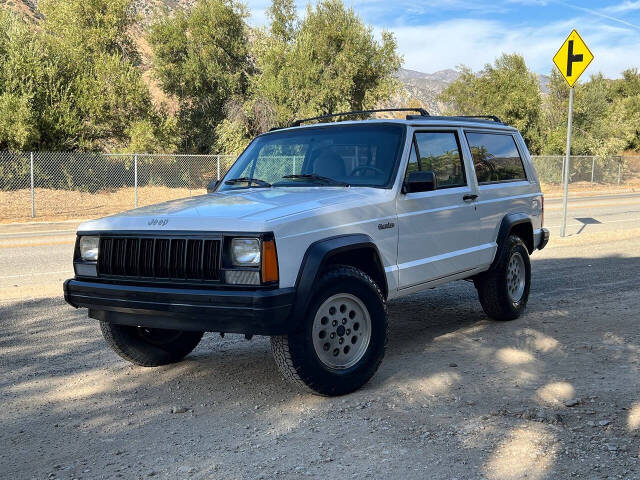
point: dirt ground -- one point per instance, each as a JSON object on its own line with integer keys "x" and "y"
{"x": 587, "y": 188}
{"x": 552, "y": 395}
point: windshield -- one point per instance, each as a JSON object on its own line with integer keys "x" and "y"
{"x": 338, "y": 155}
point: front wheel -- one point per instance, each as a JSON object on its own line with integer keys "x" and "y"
{"x": 504, "y": 291}
{"x": 149, "y": 347}
{"x": 341, "y": 341}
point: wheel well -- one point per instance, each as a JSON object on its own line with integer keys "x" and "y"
{"x": 365, "y": 259}
{"x": 525, "y": 232}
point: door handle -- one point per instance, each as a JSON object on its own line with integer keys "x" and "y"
{"x": 469, "y": 196}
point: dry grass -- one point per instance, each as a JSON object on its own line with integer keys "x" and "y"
{"x": 581, "y": 188}
{"x": 58, "y": 205}
{"x": 15, "y": 206}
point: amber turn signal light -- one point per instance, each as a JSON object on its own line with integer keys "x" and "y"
{"x": 269, "y": 262}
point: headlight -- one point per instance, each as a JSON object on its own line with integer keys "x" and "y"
{"x": 89, "y": 247}
{"x": 245, "y": 252}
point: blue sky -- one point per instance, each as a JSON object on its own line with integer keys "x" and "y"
{"x": 434, "y": 35}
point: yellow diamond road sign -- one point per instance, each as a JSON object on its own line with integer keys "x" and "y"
{"x": 573, "y": 58}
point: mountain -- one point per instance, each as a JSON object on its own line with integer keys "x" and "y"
{"x": 424, "y": 88}
{"x": 144, "y": 8}
{"x": 25, "y": 8}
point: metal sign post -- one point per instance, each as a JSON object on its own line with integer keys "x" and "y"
{"x": 33, "y": 195}
{"x": 572, "y": 60}
{"x": 567, "y": 164}
{"x": 135, "y": 179}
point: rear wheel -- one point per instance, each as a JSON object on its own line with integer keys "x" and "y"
{"x": 504, "y": 291}
{"x": 149, "y": 347}
{"x": 341, "y": 341}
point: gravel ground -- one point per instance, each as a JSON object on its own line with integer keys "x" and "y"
{"x": 553, "y": 395}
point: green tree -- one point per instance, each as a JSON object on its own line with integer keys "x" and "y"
{"x": 36, "y": 79}
{"x": 325, "y": 63}
{"x": 152, "y": 135}
{"x": 108, "y": 88}
{"x": 202, "y": 58}
{"x": 626, "y": 105}
{"x": 284, "y": 20}
{"x": 92, "y": 27}
{"x": 73, "y": 81}
{"x": 554, "y": 114}
{"x": 506, "y": 89}
{"x": 605, "y": 121}
{"x": 334, "y": 63}
{"x": 17, "y": 125}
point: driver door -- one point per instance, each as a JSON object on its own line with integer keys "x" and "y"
{"x": 438, "y": 229}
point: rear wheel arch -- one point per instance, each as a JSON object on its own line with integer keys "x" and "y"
{"x": 519, "y": 224}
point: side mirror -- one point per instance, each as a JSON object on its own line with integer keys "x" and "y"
{"x": 420, "y": 182}
{"x": 213, "y": 184}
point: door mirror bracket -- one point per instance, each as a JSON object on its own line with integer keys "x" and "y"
{"x": 420, "y": 181}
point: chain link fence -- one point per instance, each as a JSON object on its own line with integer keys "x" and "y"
{"x": 71, "y": 185}
{"x": 584, "y": 168}
{"x": 64, "y": 185}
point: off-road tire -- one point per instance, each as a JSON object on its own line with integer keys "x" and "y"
{"x": 134, "y": 345}
{"x": 492, "y": 285}
{"x": 295, "y": 355}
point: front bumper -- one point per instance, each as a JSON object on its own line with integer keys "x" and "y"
{"x": 254, "y": 312}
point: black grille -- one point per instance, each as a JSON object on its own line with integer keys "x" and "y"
{"x": 160, "y": 258}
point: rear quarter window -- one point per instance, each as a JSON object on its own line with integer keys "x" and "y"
{"x": 495, "y": 157}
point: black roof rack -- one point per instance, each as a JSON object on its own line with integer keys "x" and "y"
{"x": 422, "y": 111}
{"x": 470, "y": 118}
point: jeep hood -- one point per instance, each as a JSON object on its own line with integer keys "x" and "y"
{"x": 232, "y": 210}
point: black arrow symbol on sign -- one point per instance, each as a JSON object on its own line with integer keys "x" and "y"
{"x": 572, "y": 58}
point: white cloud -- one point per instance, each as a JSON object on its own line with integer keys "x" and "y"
{"x": 626, "y": 6}
{"x": 433, "y": 47}
{"x": 436, "y": 46}
{"x": 597, "y": 13}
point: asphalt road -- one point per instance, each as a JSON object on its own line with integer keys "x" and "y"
{"x": 552, "y": 395}
{"x": 36, "y": 258}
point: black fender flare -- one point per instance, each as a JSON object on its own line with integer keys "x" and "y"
{"x": 315, "y": 259}
{"x": 508, "y": 222}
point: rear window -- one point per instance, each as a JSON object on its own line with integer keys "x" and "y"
{"x": 495, "y": 157}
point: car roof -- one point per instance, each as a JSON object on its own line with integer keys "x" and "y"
{"x": 413, "y": 121}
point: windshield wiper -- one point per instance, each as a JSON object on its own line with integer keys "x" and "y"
{"x": 257, "y": 181}
{"x": 320, "y": 178}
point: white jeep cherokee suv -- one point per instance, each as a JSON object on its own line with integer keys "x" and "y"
{"x": 309, "y": 234}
